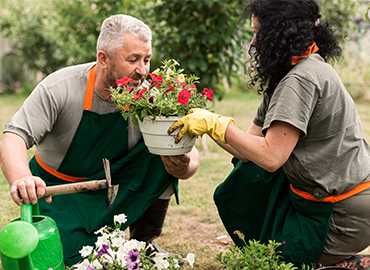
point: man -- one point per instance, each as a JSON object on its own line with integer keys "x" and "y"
{"x": 71, "y": 120}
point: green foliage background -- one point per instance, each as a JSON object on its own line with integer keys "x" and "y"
{"x": 206, "y": 36}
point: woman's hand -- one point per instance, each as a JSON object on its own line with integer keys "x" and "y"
{"x": 199, "y": 122}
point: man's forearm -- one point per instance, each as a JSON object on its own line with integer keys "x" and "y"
{"x": 13, "y": 157}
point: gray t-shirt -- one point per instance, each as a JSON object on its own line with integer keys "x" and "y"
{"x": 332, "y": 154}
{"x": 50, "y": 116}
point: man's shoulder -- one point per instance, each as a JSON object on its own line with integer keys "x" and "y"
{"x": 67, "y": 75}
{"x": 66, "y": 85}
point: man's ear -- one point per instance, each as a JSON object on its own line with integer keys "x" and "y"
{"x": 102, "y": 58}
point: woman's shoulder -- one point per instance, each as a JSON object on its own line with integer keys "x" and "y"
{"x": 315, "y": 70}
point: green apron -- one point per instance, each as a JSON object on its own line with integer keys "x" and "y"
{"x": 261, "y": 205}
{"x": 141, "y": 175}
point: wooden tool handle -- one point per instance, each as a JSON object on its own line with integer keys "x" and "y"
{"x": 76, "y": 187}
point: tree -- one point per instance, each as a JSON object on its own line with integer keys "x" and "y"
{"x": 205, "y": 36}
{"x": 339, "y": 14}
{"x": 52, "y": 34}
{"x": 26, "y": 28}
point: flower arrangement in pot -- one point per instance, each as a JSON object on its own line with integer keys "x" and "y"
{"x": 166, "y": 95}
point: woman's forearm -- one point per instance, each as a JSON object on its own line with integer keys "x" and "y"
{"x": 269, "y": 152}
{"x": 252, "y": 129}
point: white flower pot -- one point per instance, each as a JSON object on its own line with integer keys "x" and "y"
{"x": 157, "y": 139}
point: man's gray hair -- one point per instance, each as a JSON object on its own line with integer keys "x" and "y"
{"x": 115, "y": 27}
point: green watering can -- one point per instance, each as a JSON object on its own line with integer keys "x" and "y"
{"x": 31, "y": 242}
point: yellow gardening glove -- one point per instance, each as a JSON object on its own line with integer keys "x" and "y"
{"x": 199, "y": 122}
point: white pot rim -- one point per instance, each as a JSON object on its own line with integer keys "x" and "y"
{"x": 161, "y": 118}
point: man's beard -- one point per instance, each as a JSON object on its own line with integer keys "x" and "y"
{"x": 111, "y": 80}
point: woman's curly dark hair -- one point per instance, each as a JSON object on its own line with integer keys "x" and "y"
{"x": 287, "y": 28}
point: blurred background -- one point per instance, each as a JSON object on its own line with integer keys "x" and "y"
{"x": 206, "y": 36}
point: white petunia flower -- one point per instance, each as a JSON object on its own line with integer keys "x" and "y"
{"x": 102, "y": 240}
{"x": 134, "y": 244}
{"x": 117, "y": 241}
{"x": 123, "y": 250}
{"x": 160, "y": 261}
{"x": 86, "y": 251}
{"x": 190, "y": 258}
{"x": 120, "y": 219}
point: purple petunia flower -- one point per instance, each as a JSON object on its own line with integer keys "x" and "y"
{"x": 90, "y": 267}
{"x": 132, "y": 259}
{"x": 103, "y": 250}
{"x": 133, "y": 266}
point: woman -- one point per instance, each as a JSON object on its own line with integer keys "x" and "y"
{"x": 307, "y": 182}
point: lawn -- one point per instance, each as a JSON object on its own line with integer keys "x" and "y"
{"x": 192, "y": 226}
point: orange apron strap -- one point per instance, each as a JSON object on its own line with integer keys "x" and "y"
{"x": 335, "y": 198}
{"x": 55, "y": 173}
{"x": 312, "y": 49}
{"x": 89, "y": 91}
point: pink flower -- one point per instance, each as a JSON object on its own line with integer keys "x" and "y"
{"x": 208, "y": 93}
{"x": 184, "y": 97}
{"x": 124, "y": 81}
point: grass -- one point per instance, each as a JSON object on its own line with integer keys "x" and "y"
{"x": 192, "y": 226}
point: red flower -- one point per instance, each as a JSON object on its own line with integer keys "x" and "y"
{"x": 208, "y": 93}
{"x": 184, "y": 97}
{"x": 156, "y": 80}
{"x": 139, "y": 94}
{"x": 124, "y": 81}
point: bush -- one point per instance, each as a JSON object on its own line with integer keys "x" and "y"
{"x": 254, "y": 255}
{"x": 355, "y": 76}
{"x": 339, "y": 14}
{"x": 14, "y": 73}
{"x": 205, "y": 36}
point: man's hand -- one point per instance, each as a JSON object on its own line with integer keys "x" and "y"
{"x": 27, "y": 190}
{"x": 176, "y": 165}
{"x": 182, "y": 166}
{"x": 199, "y": 122}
